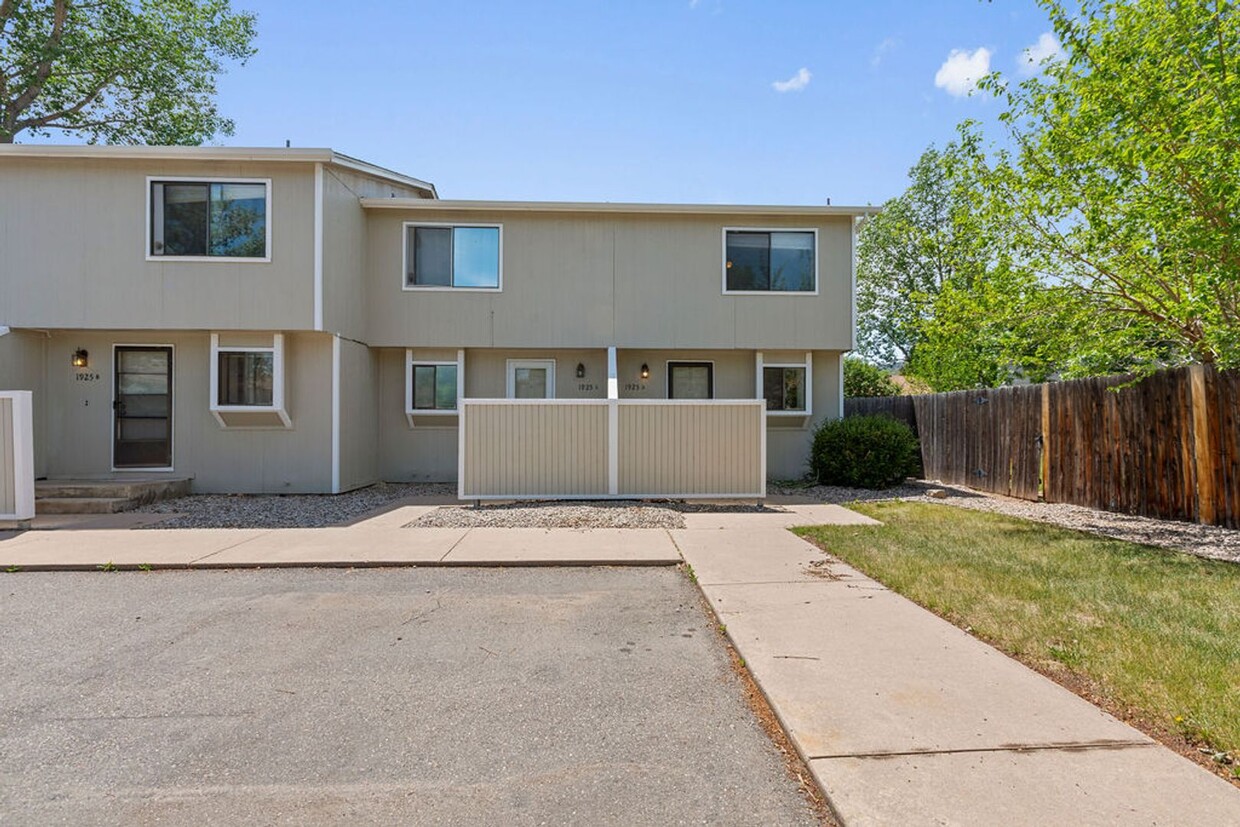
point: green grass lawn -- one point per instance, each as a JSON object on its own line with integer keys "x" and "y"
{"x": 1149, "y": 631}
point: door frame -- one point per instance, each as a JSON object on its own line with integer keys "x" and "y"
{"x": 172, "y": 399}
{"x": 510, "y": 372}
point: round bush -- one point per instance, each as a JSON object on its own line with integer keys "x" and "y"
{"x": 864, "y": 452}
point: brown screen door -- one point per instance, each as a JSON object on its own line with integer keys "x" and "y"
{"x": 142, "y": 408}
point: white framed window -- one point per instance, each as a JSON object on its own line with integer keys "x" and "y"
{"x": 433, "y": 387}
{"x": 453, "y": 257}
{"x": 690, "y": 380}
{"x": 247, "y": 379}
{"x": 763, "y": 261}
{"x": 208, "y": 219}
{"x": 787, "y": 387}
{"x": 531, "y": 379}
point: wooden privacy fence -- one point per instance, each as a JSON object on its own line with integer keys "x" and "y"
{"x": 1167, "y": 446}
{"x": 611, "y": 448}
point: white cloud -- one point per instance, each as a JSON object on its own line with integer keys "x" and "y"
{"x": 959, "y": 74}
{"x": 888, "y": 45}
{"x": 1032, "y": 57}
{"x": 795, "y": 83}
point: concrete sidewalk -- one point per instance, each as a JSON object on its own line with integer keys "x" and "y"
{"x": 905, "y": 719}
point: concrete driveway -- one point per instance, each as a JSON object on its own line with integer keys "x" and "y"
{"x": 519, "y": 696}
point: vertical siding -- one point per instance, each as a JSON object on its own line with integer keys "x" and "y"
{"x": 8, "y": 459}
{"x": 685, "y": 449}
{"x": 546, "y": 449}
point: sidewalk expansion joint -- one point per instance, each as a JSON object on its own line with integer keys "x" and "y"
{"x": 1064, "y": 746}
{"x": 198, "y": 560}
{"x": 459, "y": 540}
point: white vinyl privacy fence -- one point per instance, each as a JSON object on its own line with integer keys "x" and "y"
{"x": 612, "y": 448}
{"x": 16, "y": 456}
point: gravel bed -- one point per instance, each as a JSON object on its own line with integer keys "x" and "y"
{"x": 284, "y": 510}
{"x": 555, "y": 515}
{"x": 1212, "y": 542}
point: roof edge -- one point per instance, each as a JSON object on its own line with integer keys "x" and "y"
{"x": 614, "y": 207}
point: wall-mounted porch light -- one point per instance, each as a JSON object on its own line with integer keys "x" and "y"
{"x": 581, "y": 371}
{"x": 81, "y": 358}
{"x": 645, "y": 371}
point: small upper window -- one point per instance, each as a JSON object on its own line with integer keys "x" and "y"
{"x": 209, "y": 219}
{"x": 784, "y": 388}
{"x": 463, "y": 257}
{"x": 769, "y": 261}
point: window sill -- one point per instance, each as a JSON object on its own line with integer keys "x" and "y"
{"x": 410, "y": 416}
{"x": 770, "y": 292}
{"x": 801, "y": 414}
{"x": 413, "y": 288}
{"x": 211, "y": 259}
{"x": 278, "y": 417}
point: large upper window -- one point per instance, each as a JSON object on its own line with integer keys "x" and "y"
{"x": 690, "y": 380}
{"x": 452, "y": 257}
{"x": 210, "y": 219}
{"x": 770, "y": 261}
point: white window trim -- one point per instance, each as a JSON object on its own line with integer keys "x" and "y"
{"x": 433, "y": 288}
{"x": 667, "y": 379}
{"x": 276, "y": 349}
{"x": 410, "y": 363}
{"x": 723, "y": 263}
{"x": 511, "y": 375}
{"x": 808, "y": 365}
{"x": 172, "y": 413}
{"x": 205, "y": 179}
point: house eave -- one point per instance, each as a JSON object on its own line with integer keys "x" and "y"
{"x": 439, "y": 205}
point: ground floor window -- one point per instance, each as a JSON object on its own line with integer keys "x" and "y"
{"x": 784, "y": 388}
{"x": 433, "y": 387}
{"x": 690, "y": 380}
{"x": 531, "y": 378}
{"x": 246, "y": 378}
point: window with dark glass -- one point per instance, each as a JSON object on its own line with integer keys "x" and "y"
{"x": 452, "y": 257}
{"x": 784, "y": 388}
{"x": 212, "y": 220}
{"x": 246, "y": 378}
{"x": 761, "y": 261}
{"x": 434, "y": 388}
{"x": 690, "y": 380}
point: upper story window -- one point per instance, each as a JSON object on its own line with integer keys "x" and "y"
{"x": 452, "y": 257}
{"x": 770, "y": 261}
{"x": 210, "y": 219}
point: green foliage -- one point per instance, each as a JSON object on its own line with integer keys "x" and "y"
{"x": 864, "y": 452}
{"x": 1123, "y": 184}
{"x": 118, "y": 71}
{"x": 863, "y": 379}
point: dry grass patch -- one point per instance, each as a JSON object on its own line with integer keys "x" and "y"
{"x": 1150, "y": 634}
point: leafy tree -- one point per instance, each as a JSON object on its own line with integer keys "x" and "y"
{"x": 1122, "y": 180}
{"x": 863, "y": 379}
{"x": 117, "y": 71}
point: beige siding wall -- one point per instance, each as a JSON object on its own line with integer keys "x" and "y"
{"x": 486, "y": 372}
{"x": 733, "y": 372}
{"x": 425, "y": 452}
{"x": 274, "y": 460}
{"x": 535, "y": 449}
{"x": 345, "y": 247}
{"x": 682, "y": 449}
{"x": 23, "y": 356}
{"x": 73, "y": 251}
{"x": 591, "y": 280}
{"x": 359, "y": 409}
{"x": 788, "y": 439}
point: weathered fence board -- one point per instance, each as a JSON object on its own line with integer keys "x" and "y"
{"x": 1166, "y": 446}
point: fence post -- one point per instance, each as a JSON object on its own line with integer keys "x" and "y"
{"x": 1046, "y": 441}
{"x": 1203, "y": 451}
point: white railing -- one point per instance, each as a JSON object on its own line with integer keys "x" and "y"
{"x": 612, "y": 449}
{"x": 16, "y": 455}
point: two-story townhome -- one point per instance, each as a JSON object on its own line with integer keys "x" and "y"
{"x": 296, "y": 320}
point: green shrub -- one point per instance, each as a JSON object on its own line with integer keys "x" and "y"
{"x": 863, "y": 379}
{"x": 864, "y": 452}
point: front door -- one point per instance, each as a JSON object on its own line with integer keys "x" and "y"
{"x": 142, "y": 408}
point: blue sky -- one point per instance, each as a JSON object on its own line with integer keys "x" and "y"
{"x": 627, "y": 101}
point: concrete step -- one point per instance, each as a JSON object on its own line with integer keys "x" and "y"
{"x": 82, "y": 505}
{"x": 139, "y": 492}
